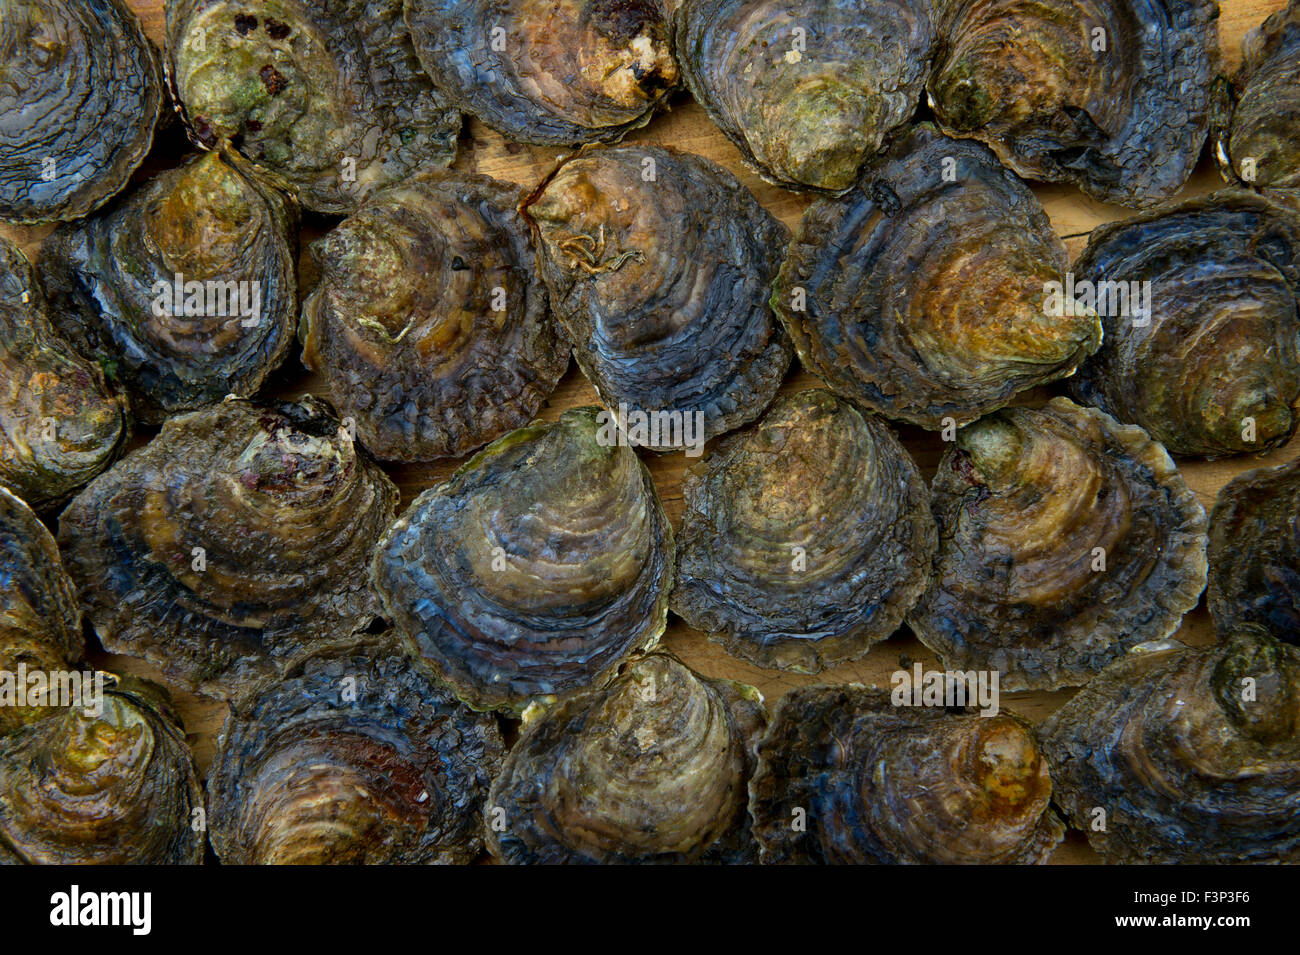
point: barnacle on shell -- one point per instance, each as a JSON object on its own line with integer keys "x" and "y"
{"x": 805, "y": 538}
{"x": 430, "y": 325}
{"x": 534, "y": 571}
{"x": 1065, "y": 538}
{"x": 846, "y": 776}
{"x": 233, "y": 544}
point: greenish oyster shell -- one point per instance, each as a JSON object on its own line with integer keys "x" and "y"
{"x": 537, "y": 569}
{"x": 113, "y": 787}
{"x": 40, "y": 621}
{"x": 1259, "y": 143}
{"x": 1112, "y": 95}
{"x": 805, "y": 538}
{"x": 845, "y": 776}
{"x": 1254, "y": 552}
{"x": 83, "y": 91}
{"x": 806, "y": 91}
{"x": 1212, "y": 367}
{"x": 328, "y": 93}
{"x": 1065, "y": 538}
{"x": 231, "y": 545}
{"x": 659, "y": 265}
{"x": 60, "y": 421}
{"x": 922, "y": 293}
{"x": 186, "y": 290}
{"x": 652, "y": 768}
{"x": 354, "y": 758}
{"x": 1193, "y": 754}
{"x": 556, "y": 73}
{"x": 430, "y": 324}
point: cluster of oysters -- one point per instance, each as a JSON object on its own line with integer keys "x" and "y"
{"x": 481, "y": 669}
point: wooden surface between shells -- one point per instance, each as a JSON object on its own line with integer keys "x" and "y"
{"x": 686, "y": 127}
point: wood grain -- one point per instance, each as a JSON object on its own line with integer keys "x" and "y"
{"x": 685, "y": 126}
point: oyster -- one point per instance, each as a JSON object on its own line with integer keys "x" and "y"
{"x": 535, "y": 570}
{"x": 186, "y": 290}
{"x": 555, "y": 73}
{"x": 806, "y": 91}
{"x": 231, "y": 545}
{"x": 650, "y": 769}
{"x": 40, "y": 622}
{"x": 922, "y": 293}
{"x": 804, "y": 539}
{"x": 1065, "y": 538}
{"x": 1113, "y": 95}
{"x": 1254, "y": 552}
{"x": 1209, "y": 363}
{"x": 1260, "y": 145}
{"x": 430, "y": 324}
{"x": 846, "y": 776}
{"x": 326, "y": 92}
{"x": 1181, "y": 754}
{"x": 354, "y": 758}
{"x": 83, "y": 91}
{"x": 111, "y": 782}
{"x": 60, "y": 424}
{"x": 659, "y": 265}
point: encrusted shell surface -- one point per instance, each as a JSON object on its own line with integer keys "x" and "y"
{"x": 1193, "y": 754}
{"x": 922, "y": 293}
{"x": 806, "y": 91}
{"x": 326, "y": 92}
{"x": 60, "y": 422}
{"x": 805, "y": 538}
{"x": 535, "y": 570}
{"x": 353, "y": 758}
{"x": 660, "y": 264}
{"x": 846, "y": 776}
{"x": 83, "y": 91}
{"x": 558, "y": 72}
{"x": 112, "y": 787}
{"x": 233, "y": 544}
{"x": 1210, "y": 363}
{"x": 430, "y": 325}
{"x": 1113, "y": 95}
{"x": 186, "y": 290}
{"x": 1254, "y": 552}
{"x": 653, "y": 768}
{"x": 1065, "y": 538}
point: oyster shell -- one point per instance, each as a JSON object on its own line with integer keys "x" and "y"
{"x": 1254, "y": 552}
{"x": 232, "y": 544}
{"x": 922, "y": 292}
{"x": 659, "y": 265}
{"x": 1113, "y": 95}
{"x": 1212, "y": 364}
{"x": 40, "y": 622}
{"x": 535, "y": 570}
{"x": 60, "y": 423}
{"x": 83, "y": 91}
{"x": 806, "y": 91}
{"x": 430, "y": 324}
{"x": 845, "y": 776}
{"x": 1260, "y": 145}
{"x": 326, "y": 92}
{"x": 1065, "y": 538}
{"x": 1190, "y": 754}
{"x": 652, "y": 768}
{"x": 354, "y": 758}
{"x": 805, "y": 538}
{"x": 186, "y": 289}
{"x": 116, "y": 787}
{"x": 556, "y": 73}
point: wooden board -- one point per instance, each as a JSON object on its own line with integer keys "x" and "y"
{"x": 686, "y": 126}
